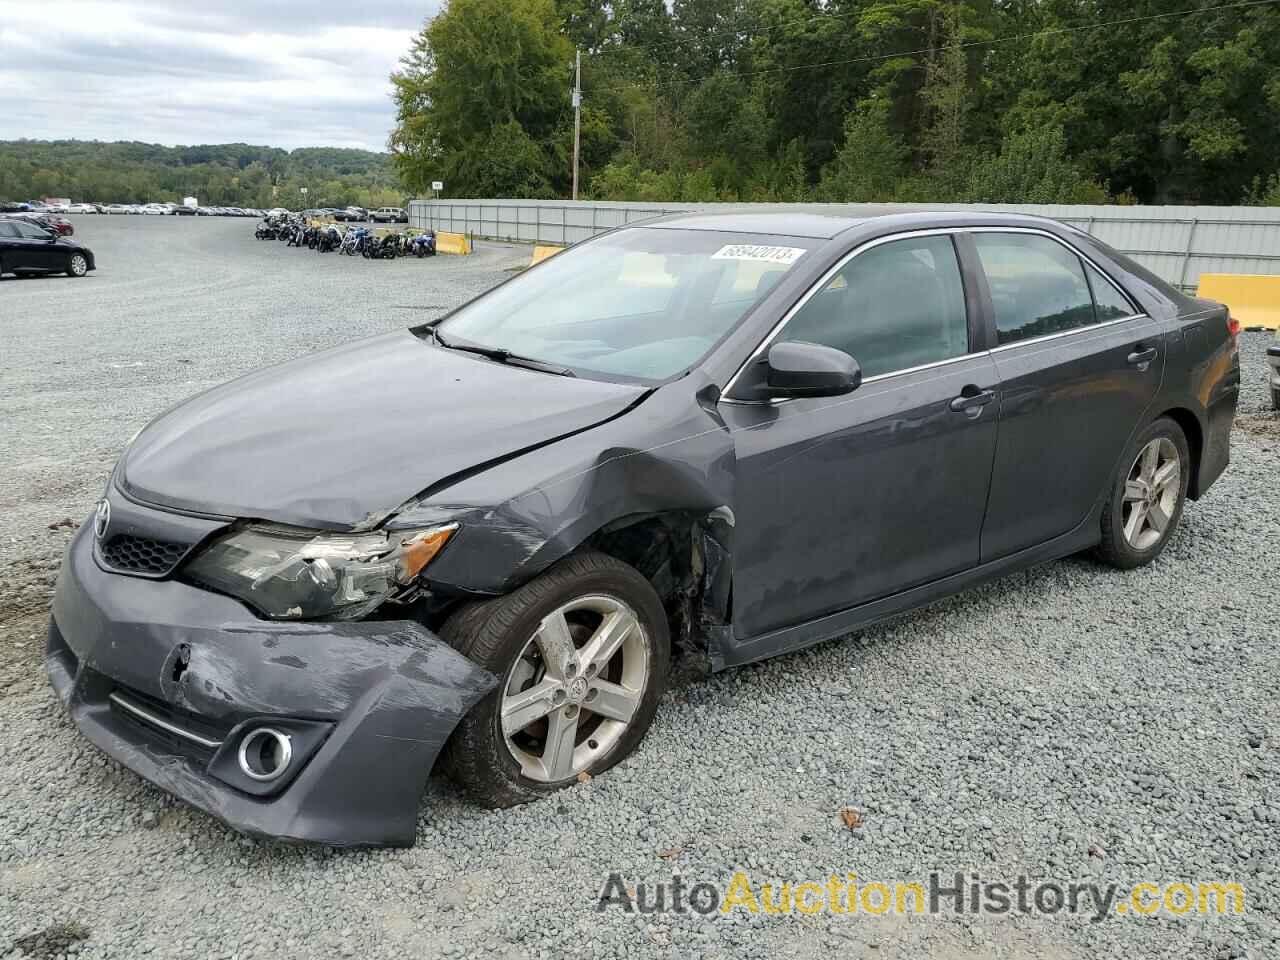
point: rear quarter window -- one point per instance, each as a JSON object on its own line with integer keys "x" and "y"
{"x": 1109, "y": 302}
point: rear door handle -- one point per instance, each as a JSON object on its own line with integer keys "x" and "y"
{"x": 972, "y": 400}
{"x": 1141, "y": 356}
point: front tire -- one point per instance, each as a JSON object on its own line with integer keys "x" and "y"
{"x": 581, "y": 653}
{"x": 1147, "y": 497}
{"x": 77, "y": 265}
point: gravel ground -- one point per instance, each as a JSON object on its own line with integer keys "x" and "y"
{"x": 1068, "y": 722}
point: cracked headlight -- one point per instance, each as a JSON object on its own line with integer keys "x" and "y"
{"x": 289, "y": 573}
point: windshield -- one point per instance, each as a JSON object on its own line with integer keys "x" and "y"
{"x": 642, "y": 303}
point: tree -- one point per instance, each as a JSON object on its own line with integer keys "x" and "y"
{"x": 947, "y": 99}
{"x": 483, "y": 72}
{"x": 871, "y": 160}
{"x": 860, "y": 99}
{"x": 234, "y": 174}
{"x": 1033, "y": 168}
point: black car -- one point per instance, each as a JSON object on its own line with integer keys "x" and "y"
{"x": 29, "y": 247}
{"x": 717, "y": 436}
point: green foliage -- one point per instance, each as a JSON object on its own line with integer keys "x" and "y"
{"x": 229, "y": 174}
{"x": 872, "y": 160}
{"x": 485, "y": 83}
{"x": 1032, "y": 168}
{"x": 1264, "y": 193}
{"x": 746, "y": 100}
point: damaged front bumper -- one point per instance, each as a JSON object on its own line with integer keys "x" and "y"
{"x": 170, "y": 680}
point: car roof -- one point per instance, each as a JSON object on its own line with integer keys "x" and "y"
{"x": 825, "y": 226}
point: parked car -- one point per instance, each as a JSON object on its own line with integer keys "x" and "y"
{"x": 182, "y": 211}
{"x": 727, "y": 435}
{"x": 352, "y": 215}
{"x": 84, "y": 208}
{"x": 30, "y": 247}
{"x": 50, "y": 221}
{"x": 389, "y": 215}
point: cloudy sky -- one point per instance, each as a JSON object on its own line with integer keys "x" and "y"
{"x": 286, "y": 73}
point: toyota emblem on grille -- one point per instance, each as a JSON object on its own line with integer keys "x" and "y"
{"x": 101, "y": 519}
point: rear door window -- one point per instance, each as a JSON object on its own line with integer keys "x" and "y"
{"x": 1038, "y": 286}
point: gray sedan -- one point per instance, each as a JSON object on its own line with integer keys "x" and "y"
{"x": 481, "y": 542}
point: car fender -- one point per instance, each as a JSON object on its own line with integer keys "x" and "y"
{"x": 522, "y": 514}
{"x": 671, "y": 455}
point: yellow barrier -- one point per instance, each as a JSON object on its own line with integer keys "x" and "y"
{"x": 544, "y": 251}
{"x": 457, "y": 243}
{"x": 1253, "y": 299}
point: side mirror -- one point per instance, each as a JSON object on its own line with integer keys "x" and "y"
{"x": 799, "y": 369}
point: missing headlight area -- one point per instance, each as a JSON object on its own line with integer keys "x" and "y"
{"x": 287, "y": 573}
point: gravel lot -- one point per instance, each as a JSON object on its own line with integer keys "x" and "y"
{"x": 1069, "y": 722}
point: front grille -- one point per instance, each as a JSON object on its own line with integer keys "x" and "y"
{"x": 130, "y": 554}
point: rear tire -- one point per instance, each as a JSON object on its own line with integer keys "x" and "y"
{"x": 1275, "y": 396}
{"x": 585, "y": 599}
{"x": 1147, "y": 497}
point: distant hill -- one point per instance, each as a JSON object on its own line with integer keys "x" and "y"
{"x": 228, "y": 174}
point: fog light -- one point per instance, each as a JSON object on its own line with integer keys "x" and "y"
{"x": 265, "y": 753}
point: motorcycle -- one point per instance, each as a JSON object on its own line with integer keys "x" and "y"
{"x": 353, "y": 243}
{"x": 388, "y": 248}
{"x": 330, "y": 238}
{"x": 423, "y": 244}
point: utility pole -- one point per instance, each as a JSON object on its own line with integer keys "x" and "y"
{"x": 577, "y": 115}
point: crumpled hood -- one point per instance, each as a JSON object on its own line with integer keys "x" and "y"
{"x": 341, "y": 438}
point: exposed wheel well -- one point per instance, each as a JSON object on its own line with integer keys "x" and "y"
{"x": 1185, "y": 419}
{"x": 683, "y": 554}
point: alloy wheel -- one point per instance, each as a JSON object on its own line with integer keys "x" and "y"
{"x": 575, "y": 688}
{"x": 1151, "y": 494}
{"x": 79, "y": 266}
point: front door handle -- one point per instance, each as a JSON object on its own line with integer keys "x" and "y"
{"x": 971, "y": 400}
{"x": 1141, "y": 356}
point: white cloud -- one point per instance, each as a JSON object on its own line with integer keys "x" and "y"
{"x": 284, "y": 73}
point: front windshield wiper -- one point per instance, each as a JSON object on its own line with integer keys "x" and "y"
{"x": 502, "y": 355}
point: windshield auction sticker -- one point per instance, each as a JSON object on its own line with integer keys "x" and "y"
{"x": 759, "y": 252}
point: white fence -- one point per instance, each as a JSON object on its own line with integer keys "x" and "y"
{"x": 1176, "y": 243}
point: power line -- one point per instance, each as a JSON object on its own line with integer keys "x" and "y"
{"x": 1053, "y": 31}
{"x": 703, "y": 38}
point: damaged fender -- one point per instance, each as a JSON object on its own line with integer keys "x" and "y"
{"x": 520, "y": 516}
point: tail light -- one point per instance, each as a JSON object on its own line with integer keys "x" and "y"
{"x": 1233, "y": 326}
